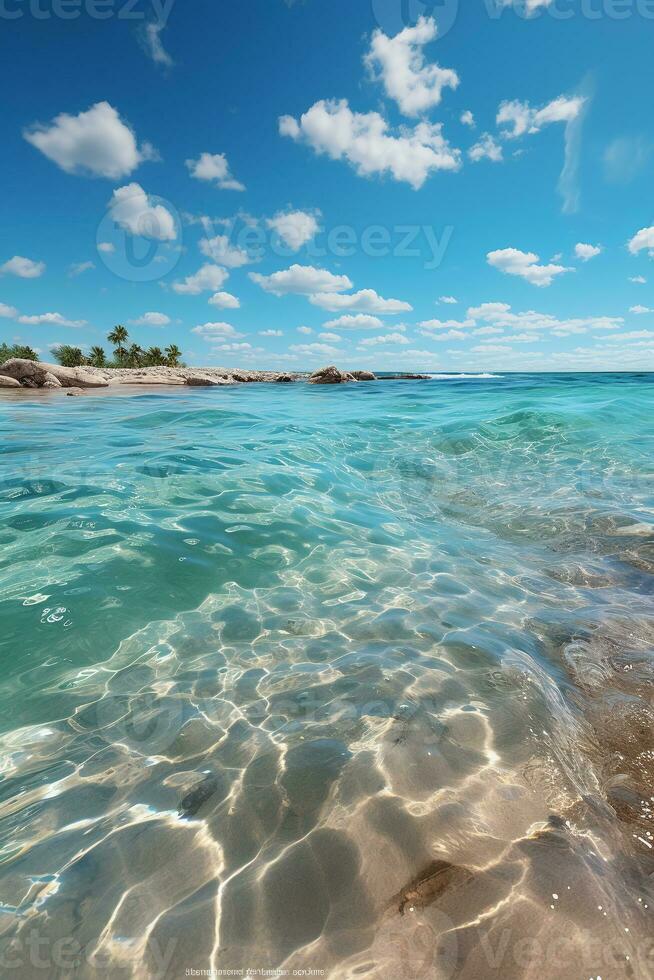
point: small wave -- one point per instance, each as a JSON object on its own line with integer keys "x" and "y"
{"x": 458, "y": 377}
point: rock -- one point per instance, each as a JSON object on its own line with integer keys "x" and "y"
{"x": 283, "y": 379}
{"x": 199, "y": 381}
{"x": 51, "y": 381}
{"x": 330, "y": 376}
{"x": 75, "y": 391}
{"x": 364, "y": 376}
{"x": 34, "y": 374}
{"x": 8, "y": 382}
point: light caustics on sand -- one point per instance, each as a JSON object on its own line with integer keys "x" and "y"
{"x": 355, "y": 680}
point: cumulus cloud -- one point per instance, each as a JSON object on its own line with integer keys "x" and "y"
{"x": 639, "y": 280}
{"x": 521, "y": 118}
{"x": 134, "y": 211}
{"x": 8, "y": 311}
{"x": 312, "y": 349}
{"x": 333, "y": 338}
{"x": 219, "y": 249}
{"x": 215, "y": 168}
{"x": 399, "y": 64}
{"x": 446, "y": 324}
{"x": 271, "y": 333}
{"x": 50, "y": 319}
{"x": 586, "y": 252}
{"x": 207, "y": 278}
{"x": 640, "y": 309}
{"x": 448, "y": 300}
{"x": 295, "y": 228}
{"x": 486, "y": 148}
{"x": 357, "y": 321}
{"x": 106, "y": 247}
{"x": 365, "y": 142}
{"x": 304, "y": 330}
{"x": 526, "y": 265}
{"x": 387, "y": 338}
{"x": 151, "y": 320}
{"x": 215, "y": 331}
{"x": 501, "y": 316}
{"x": 642, "y": 239}
{"x": 96, "y": 142}
{"x": 301, "y": 279}
{"x": 363, "y": 301}
{"x": 467, "y": 119}
{"x": 23, "y": 268}
{"x": 225, "y": 301}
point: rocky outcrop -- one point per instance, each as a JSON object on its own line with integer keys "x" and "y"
{"x": 364, "y": 376}
{"x": 330, "y": 375}
{"x": 34, "y": 374}
{"x": 6, "y": 382}
{"x": 284, "y": 379}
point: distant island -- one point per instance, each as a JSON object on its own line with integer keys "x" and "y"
{"x": 20, "y": 367}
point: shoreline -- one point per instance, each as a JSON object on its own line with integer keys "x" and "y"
{"x": 22, "y": 375}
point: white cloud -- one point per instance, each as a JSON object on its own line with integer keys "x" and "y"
{"x": 467, "y": 119}
{"x": 358, "y": 321}
{"x": 513, "y": 262}
{"x": 295, "y": 228}
{"x": 225, "y": 301}
{"x": 96, "y": 142}
{"x": 151, "y": 320}
{"x": 106, "y": 247}
{"x": 499, "y": 315}
{"x": 271, "y": 333}
{"x": 302, "y": 279}
{"x": 639, "y": 280}
{"x": 586, "y": 252}
{"x": 219, "y": 249}
{"x": 234, "y": 347}
{"x": 446, "y": 324}
{"x": 134, "y": 212}
{"x": 313, "y": 349}
{"x": 214, "y": 167}
{"x": 364, "y": 140}
{"x": 363, "y": 301}
{"x": 486, "y": 148}
{"x": 77, "y": 268}
{"x": 399, "y": 64}
{"x": 530, "y": 6}
{"x": 522, "y": 118}
{"x": 154, "y": 45}
{"x": 330, "y": 337}
{"x": 207, "y": 278}
{"x": 631, "y": 335}
{"x": 448, "y": 300}
{"x": 446, "y": 335}
{"x": 23, "y": 268}
{"x": 642, "y": 239}
{"x": 215, "y": 331}
{"x": 387, "y": 338}
{"x": 8, "y": 311}
{"x": 304, "y": 330}
{"x": 640, "y": 309}
{"x": 54, "y": 319}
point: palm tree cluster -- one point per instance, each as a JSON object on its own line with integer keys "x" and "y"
{"x": 7, "y": 351}
{"x": 125, "y": 356}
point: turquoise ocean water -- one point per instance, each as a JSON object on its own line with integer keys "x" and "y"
{"x": 352, "y": 679}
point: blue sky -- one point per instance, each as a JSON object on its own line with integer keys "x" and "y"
{"x": 386, "y": 184}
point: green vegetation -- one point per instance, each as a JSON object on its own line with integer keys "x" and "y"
{"x": 125, "y": 356}
{"x": 7, "y": 351}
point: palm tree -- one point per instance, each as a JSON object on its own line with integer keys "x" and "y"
{"x": 69, "y": 356}
{"x": 173, "y": 354}
{"x": 118, "y": 337}
{"x": 154, "y": 356}
{"x": 97, "y": 357}
{"x": 134, "y": 356}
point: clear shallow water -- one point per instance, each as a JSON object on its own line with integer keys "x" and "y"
{"x": 355, "y": 680}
